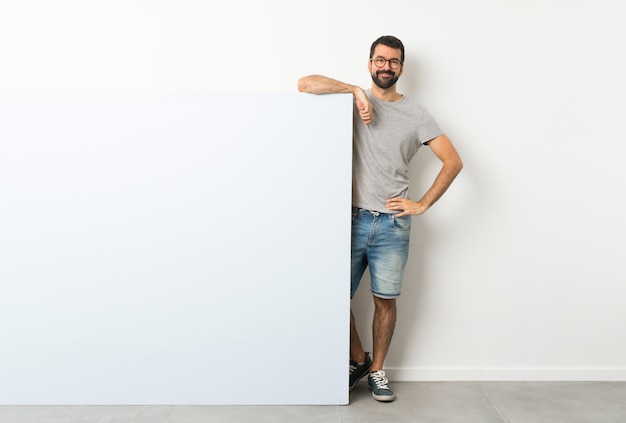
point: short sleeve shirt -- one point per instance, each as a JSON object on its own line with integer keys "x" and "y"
{"x": 383, "y": 149}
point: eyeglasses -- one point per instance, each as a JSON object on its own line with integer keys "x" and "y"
{"x": 380, "y": 62}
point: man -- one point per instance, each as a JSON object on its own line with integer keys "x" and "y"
{"x": 388, "y": 130}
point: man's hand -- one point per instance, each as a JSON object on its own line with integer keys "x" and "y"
{"x": 405, "y": 206}
{"x": 364, "y": 106}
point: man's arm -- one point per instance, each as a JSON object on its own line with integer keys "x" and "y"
{"x": 452, "y": 165}
{"x": 318, "y": 84}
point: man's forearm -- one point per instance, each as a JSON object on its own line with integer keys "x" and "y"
{"x": 444, "y": 179}
{"x": 318, "y": 84}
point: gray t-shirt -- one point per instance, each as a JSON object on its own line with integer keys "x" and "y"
{"x": 383, "y": 149}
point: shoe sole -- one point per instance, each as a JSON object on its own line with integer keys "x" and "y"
{"x": 383, "y": 398}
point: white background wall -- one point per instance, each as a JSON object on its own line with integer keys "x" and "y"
{"x": 518, "y": 272}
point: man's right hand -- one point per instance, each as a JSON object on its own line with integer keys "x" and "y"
{"x": 364, "y": 106}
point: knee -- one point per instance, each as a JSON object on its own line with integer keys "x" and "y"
{"x": 384, "y": 303}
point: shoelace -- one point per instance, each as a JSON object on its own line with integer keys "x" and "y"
{"x": 379, "y": 379}
{"x": 352, "y": 368}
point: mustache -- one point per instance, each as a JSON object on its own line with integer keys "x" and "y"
{"x": 389, "y": 73}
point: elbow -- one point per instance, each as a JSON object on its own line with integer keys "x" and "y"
{"x": 458, "y": 166}
{"x": 454, "y": 166}
{"x": 303, "y": 85}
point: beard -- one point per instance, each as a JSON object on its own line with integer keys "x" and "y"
{"x": 385, "y": 83}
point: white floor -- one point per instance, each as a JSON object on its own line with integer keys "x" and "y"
{"x": 483, "y": 402}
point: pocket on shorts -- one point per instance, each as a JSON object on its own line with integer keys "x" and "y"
{"x": 402, "y": 223}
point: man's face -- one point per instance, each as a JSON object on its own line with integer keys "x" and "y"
{"x": 384, "y": 76}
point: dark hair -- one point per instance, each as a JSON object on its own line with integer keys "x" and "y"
{"x": 389, "y": 41}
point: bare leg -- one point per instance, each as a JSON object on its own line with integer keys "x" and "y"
{"x": 382, "y": 328}
{"x": 357, "y": 354}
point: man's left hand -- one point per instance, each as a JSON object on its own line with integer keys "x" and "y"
{"x": 405, "y": 206}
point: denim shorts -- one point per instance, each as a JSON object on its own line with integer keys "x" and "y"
{"x": 380, "y": 240}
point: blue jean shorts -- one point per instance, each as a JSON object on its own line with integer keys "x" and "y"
{"x": 380, "y": 241}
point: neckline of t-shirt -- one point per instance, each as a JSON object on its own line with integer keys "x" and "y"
{"x": 402, "y": 99}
